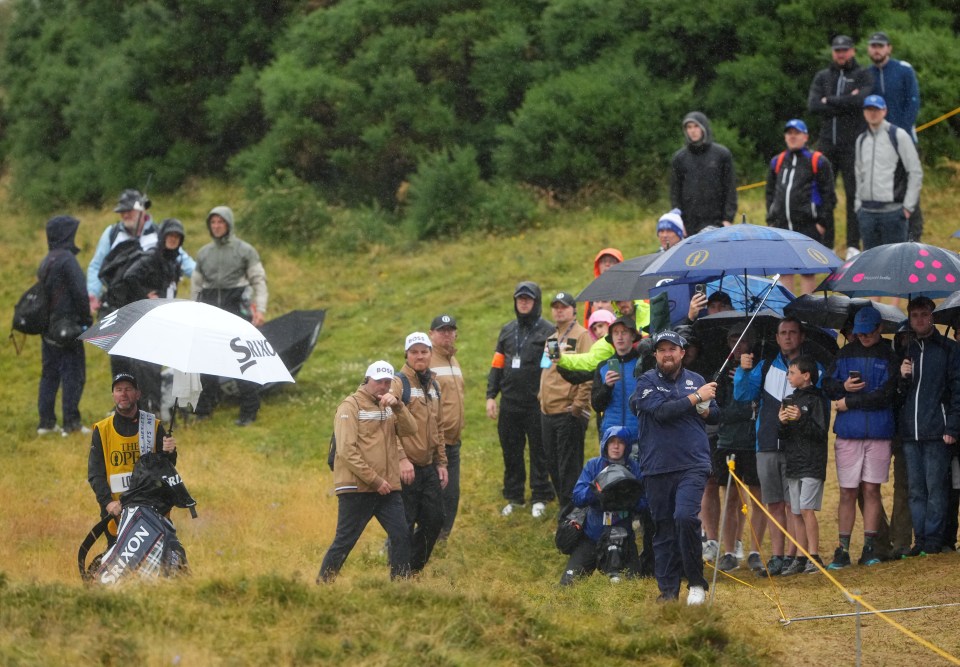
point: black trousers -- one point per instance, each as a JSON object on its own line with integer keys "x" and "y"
{"x": 249, "y": 395}
{"x": 423, "y": 505}
{"x": 563, "y": 437}
{"x": 354, "y": 511}
{"x": 516, "y": 428}
{"x": 586, "y": 557}
{"x": 451, "y": 494}
{"x": 843, "y": 159}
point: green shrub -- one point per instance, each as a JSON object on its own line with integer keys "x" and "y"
{"x": 287, "y": 212}
{"x": 444, "y": 193}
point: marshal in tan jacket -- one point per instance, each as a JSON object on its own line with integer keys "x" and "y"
{"x": 368, "y": 443}
{"x": 425, "y": 445}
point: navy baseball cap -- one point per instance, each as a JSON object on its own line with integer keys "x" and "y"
{"x": 879, "y": 37}
{"x": 124, "y": 377}
{"x": 669, "y": 337}
{"x": 796, "y": 124}
{"x": 874, "y": 101}
{"x": 866, "y": 320}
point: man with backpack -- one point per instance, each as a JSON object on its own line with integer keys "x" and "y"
{"x": 134, "y": 224}
{"x": 889, "y": 177}
{"x": 121, "y": 246}
{"x": 800, "y": 190}
{"x": 423, "y": 470}
{"x": 64, "y": 364}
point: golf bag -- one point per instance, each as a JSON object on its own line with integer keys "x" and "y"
{"x": 147, "y": 543}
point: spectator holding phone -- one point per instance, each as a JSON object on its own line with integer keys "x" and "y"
{"x": 804, "y": 420}
{"x": 862, "y": 384}
{"x": 929, "y": 389}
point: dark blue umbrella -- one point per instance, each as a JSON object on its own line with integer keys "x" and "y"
{"x": 745, "y": 249}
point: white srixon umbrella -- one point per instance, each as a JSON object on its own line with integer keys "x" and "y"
{"x": 191, "y": 337}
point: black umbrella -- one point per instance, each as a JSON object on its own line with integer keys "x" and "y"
{"x": 624, "y": 281}
{"x": 837, "y": 310}
{"x": 897, "y": 269}
{"x": 714, "y": 328}
{"x": 947, "y": 312}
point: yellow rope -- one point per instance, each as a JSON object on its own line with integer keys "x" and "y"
{"x": 917, "y": 638}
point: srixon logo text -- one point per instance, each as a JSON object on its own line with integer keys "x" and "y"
{"x": 251, "y": 350}
{"x": 130, "y": 550}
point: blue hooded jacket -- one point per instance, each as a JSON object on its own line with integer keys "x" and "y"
{"x": 584, "y": 493}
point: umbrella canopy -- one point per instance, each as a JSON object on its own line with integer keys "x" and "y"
{"x": 836, "y": 310}
{"x": 623, "y": 281}
{"x": 764, "y": 328}
{"x": 744, "y": 249}
{"x": 191, "y": 337}
{"x": 898, "y": 269}
{"x": 947, "y": 312}
{"x": 745, "y": 293}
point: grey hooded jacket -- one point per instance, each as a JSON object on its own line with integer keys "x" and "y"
{"x": 881, "y": 186}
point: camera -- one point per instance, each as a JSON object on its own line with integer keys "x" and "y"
{"x": 553, "y": 349}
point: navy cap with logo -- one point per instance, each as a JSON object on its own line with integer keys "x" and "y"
{"x": 669, "y": 337}
{"x": 124, "y": 377}
{"x": 841, "y": 42}
{"x": 443, "y": 322}
{"x": 565, "y": 298}
{"x": 879, "y": 37}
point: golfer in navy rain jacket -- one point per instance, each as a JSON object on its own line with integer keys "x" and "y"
{"x": 673, "y": 405}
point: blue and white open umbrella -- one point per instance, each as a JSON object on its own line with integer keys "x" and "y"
{"x": 745, "y": 293}
{"x": 744, "y": 249}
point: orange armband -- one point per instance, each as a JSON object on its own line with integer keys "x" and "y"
{"x": 498, "y": 360}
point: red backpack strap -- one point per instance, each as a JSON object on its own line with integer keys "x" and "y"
{"x": 815, "y": 161}
{"x": 779, "y": 162}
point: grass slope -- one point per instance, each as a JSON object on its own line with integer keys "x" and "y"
{"x": 267, "y": 513}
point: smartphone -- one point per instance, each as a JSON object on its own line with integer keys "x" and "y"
{"x": 614, "y": 365}
{"x": 787, "y": 401}
{"x": 553, "y": 349}
{"x": 854, "y": 375}
{"x": 700, "y": 288}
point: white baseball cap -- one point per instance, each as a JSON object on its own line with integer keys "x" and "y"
{"x": 379, "y": 370}
{"x": 417, "y": 337}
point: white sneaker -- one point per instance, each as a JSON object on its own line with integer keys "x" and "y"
{"x": 696, "y": 596}
{"x": 738, "y": 552}
{"x": 508, "y": 510}
{"x": 852, "y": 252}
{"x": 710, "y": 551}
{"x": 83, "y": 430}
{"x": 47, "y": 431}
{"x": 614, "y": 579}
{"x": 537, "y": 510}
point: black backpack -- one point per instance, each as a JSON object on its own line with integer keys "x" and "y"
{"x": 31, "y": 315}
{"x": 570, "y": 528}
